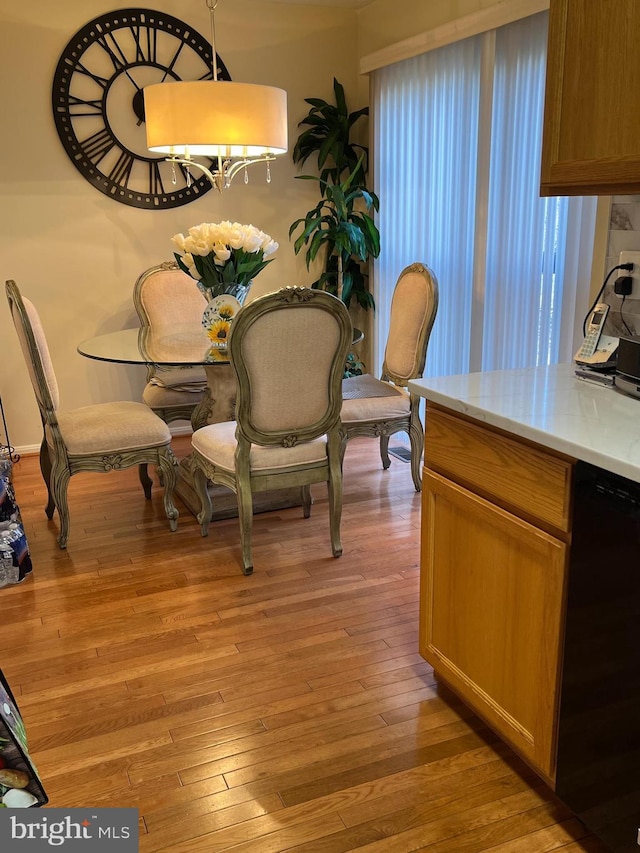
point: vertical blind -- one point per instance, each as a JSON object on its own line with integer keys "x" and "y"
{"x": 456, "y": 164}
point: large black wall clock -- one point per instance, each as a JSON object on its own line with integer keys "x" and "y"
{"x": 98, "y": 104}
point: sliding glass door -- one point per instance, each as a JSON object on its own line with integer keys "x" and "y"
{"x": 457, "y": 141}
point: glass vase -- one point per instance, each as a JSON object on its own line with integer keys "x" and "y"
{"x": 223, "y": 303}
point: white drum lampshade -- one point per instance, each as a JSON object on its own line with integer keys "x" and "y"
{"x": 215, "y": 118}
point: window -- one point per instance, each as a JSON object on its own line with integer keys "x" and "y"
{"x": 457, "y": 142}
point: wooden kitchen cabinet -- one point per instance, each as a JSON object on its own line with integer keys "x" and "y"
{"x": 494, "y": 574}
{"x": 592, "y": 118}
{"x": 529, "y": 582}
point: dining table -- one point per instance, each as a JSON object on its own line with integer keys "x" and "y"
{"x": 178, "y": 346}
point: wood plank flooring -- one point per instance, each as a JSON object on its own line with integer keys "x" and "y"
{"x": 286, "y": 711}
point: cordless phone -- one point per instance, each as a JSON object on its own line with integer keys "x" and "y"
{"x": 595, "y": 326}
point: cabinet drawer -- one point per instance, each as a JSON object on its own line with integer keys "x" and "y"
{"x": 518, "y": 476}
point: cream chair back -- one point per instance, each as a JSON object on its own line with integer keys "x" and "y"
{"x": 35, "y": 350}
{"x": 163, "y": 293}
{"x": 413, "y": 311}
{"x": 163, "y": 296}
{"x": 288, "y": 349}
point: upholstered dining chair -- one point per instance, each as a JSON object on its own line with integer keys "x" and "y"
{"x": 288, "y": 350}
{"x": 382, "y": 407}
{"x": 101, "y": 437}
{"x": 160, "y": 295}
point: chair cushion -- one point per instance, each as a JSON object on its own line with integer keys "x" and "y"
{"x": 110, "y": 427}
{"x": 159, "y": 397}
{"x": 217, "y": 443}
{"x": 357, "y": 387}
{"x": 365, "y": 398}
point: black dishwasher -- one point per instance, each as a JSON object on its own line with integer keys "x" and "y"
{"x": 598, "y": 773}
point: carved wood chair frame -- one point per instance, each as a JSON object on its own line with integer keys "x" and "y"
{"x": 57, "y": 465}
{"x": 410, "y": 423}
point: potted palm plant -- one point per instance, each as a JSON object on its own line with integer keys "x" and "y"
{"x": 340, "y": 225}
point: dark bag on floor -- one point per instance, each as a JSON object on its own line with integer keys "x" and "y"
{"x": 20, "y": 785}
{"x": 15, "y": 560}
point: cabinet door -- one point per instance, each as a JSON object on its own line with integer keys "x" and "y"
{"x": 592, "y": 122}
{"x": 491, "y": 611}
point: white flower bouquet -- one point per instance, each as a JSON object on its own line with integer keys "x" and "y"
{"x": 223, "y": 257}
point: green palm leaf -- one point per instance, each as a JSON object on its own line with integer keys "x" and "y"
{"x": 339, "y": 226}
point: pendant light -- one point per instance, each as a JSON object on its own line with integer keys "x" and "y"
{"x": 239, "y": 124}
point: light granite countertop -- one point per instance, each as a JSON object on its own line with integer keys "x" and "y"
{"x": 551, "y": 406}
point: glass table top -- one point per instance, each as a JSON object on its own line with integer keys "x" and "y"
{"x": 180, "y": 345}
{"x": 170, "y": 347}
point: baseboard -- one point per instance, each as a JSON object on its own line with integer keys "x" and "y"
{"x": 26, "y": 450}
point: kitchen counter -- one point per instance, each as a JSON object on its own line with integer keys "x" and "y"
{"x": 550, "y": 406}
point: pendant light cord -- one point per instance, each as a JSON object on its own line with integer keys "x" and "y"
{"x": 212, "y": 6}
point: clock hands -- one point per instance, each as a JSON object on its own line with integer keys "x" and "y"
{"x": 138, "y": 106}
{"x": 169, "y": 68}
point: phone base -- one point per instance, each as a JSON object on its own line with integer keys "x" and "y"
{"x": 628, "y": 386}
{"x": 596, "y": 376}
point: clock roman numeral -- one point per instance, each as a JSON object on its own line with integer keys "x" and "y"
{"x": 82, "y": 107}
{"x": 98, "y": 145}
{"x": 118, "y": 57}
{"x": 155, "y": 179}
{"x": 82, "y": 69}
{"x": 146, "y": 48}
{"x": 121, "y": 172}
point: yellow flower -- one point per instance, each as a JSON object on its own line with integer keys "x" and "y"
{"x": 226, "y": 312}
{"x": 218, "y": 354}
{"x": 219, "y": 331}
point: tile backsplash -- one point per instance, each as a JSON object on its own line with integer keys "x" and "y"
{"x": 624, "y": 236}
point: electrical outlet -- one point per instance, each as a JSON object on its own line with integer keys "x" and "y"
{"x": 631, "y": 258}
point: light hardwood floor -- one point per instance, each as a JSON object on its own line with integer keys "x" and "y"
{"x": 286, "y": 711}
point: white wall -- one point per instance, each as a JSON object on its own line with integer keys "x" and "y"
{"x": 623, "y": 236}
{"x": 75, "y": 252}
